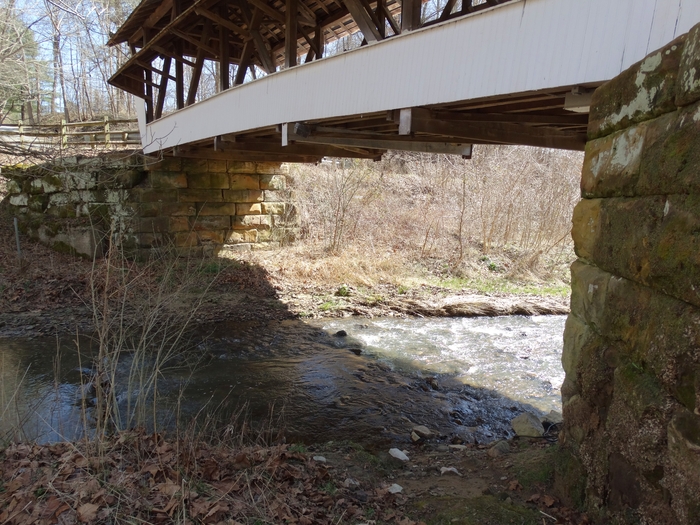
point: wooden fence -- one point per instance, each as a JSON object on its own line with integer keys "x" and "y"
{"x": 94, "y": 134}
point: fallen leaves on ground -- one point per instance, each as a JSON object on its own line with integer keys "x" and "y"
{"x": 145, "y": 477}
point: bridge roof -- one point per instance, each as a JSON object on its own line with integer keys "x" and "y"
{"x": 492, "y": 71}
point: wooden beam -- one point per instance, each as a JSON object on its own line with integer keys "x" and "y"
{"x": 269, "y": 11}
{"x": 573, "y": 119}
{"x": 224, "y": 50}
{"x": 199, "y": 64}
{"x": 201, "y": 45}
{"x": 290, "y": 34}
{"x": 392, "y": 21}
{"x": 421, "y": 121}
{"x": 410, "y": 14}
{"x": 162, "y": 88}
{"x": 245, "y": 156}
{"x": 385, "y": 144}
{"x": 179, "y": 79}
{"x": 223, "y": 22}
{"x": 174, "y": 55}
{"x": 447, "y": 11}
{"x": 322, "y": 150}
{"x": 144, "y": 65}
{"x": 160, "y": 11}
{"x": 364, "y": 20}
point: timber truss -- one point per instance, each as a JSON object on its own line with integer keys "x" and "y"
{"x": 170, "y": 41}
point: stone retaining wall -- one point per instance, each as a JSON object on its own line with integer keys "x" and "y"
{"x": 194, "y": 207}
{"x": 632, "y": 341}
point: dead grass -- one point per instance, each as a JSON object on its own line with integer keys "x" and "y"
{"x": 500, "y": 221}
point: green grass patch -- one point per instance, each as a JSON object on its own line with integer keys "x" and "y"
{"x": 502, "y": 285}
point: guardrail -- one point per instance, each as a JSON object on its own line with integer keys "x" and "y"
{"x": 97, "y": 133}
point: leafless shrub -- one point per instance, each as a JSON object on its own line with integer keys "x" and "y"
{"x": 515, "y": 201}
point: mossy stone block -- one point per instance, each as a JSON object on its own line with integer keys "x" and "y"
{"x": 670, "y": 161}
{"x": 644, "y": 91}
{"x": 688, "y": 85}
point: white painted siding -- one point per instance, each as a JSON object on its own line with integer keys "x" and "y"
{"x": 523, "y": 46}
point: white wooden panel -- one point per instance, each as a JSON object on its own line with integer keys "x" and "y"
{"x": 522, "y": 46}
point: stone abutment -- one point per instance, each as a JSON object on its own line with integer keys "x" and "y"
{"x": 190, "y": 206}
{"x": 632, "y": 341}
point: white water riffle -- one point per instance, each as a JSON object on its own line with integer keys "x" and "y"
{"x": 516, "y": 356}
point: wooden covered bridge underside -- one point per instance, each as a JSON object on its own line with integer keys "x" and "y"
{"x": 170, "y": 41}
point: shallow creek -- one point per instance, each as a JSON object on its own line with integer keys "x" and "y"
{"x": 466, "y": 378}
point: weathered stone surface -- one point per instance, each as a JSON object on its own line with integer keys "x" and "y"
{"x": 152, "y": 195}
{"x": 187, "y": 202}
{"x": 249, "y": 209}
{"x": 192, "y": 195}
{"x": 611, "y": 165}
{"x": 165, "y": 164}
{"x": 153, "y": 225}
{"x": 167, "y": 180}
{"x": 527, "y": 425}
{"x": 644, "y": 91}
{"x": 243, "y": 196}
{"x": 651, "y": 240}
{"x": 241, "y": 167}
{"x": 269, "y": 168}
{"x": 186, "y": 239}
{"x": 273, "y": 208}
{"x": 179, "y": 224}
{"x": 576, "y": 335}
{"x": 671, "y": 158}
{"x": 208, "y": 181}
{"x": 214, "y": 208}
{"x": 210, "y": 222}
{"x": 236, "y": 237}
{"x": 273, "y": 182}
{"x": 688, "y": 85}
{"x": 251, "y": 221}
{"x": 245, "y": 182}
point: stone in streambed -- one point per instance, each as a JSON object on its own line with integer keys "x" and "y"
{"x": 398, "y": 454}
{"x": 527, "y": 425}
{"x": 423, "y": 432}
{"x": 499, "y": 449}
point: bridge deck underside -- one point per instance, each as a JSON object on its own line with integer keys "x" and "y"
{"x": 534, "y": 119}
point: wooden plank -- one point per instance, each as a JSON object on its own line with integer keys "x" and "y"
{"x": 290, "y": 34}
{"x": 223, "y": 22}
{"x": 363, "y": 20}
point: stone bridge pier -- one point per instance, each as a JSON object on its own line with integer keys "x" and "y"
{"x": 632, "y": 341}
{"x": 192, "y": 207}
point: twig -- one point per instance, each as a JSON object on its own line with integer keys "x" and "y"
{"x": 550, "y": 517}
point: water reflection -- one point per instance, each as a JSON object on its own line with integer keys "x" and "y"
{"x": 408, "y": 372}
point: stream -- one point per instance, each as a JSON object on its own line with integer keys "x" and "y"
{"x": 463, "y": 377}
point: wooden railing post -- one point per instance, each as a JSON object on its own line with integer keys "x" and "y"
{"x": 64, "y": 134}
{"x": 107, "y": 136}
{"x": 20, "y": 129}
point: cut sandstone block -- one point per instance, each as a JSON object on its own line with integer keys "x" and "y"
{"x": 644, "y": 91}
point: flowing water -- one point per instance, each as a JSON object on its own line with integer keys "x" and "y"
{"x": 466, "y": 378}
